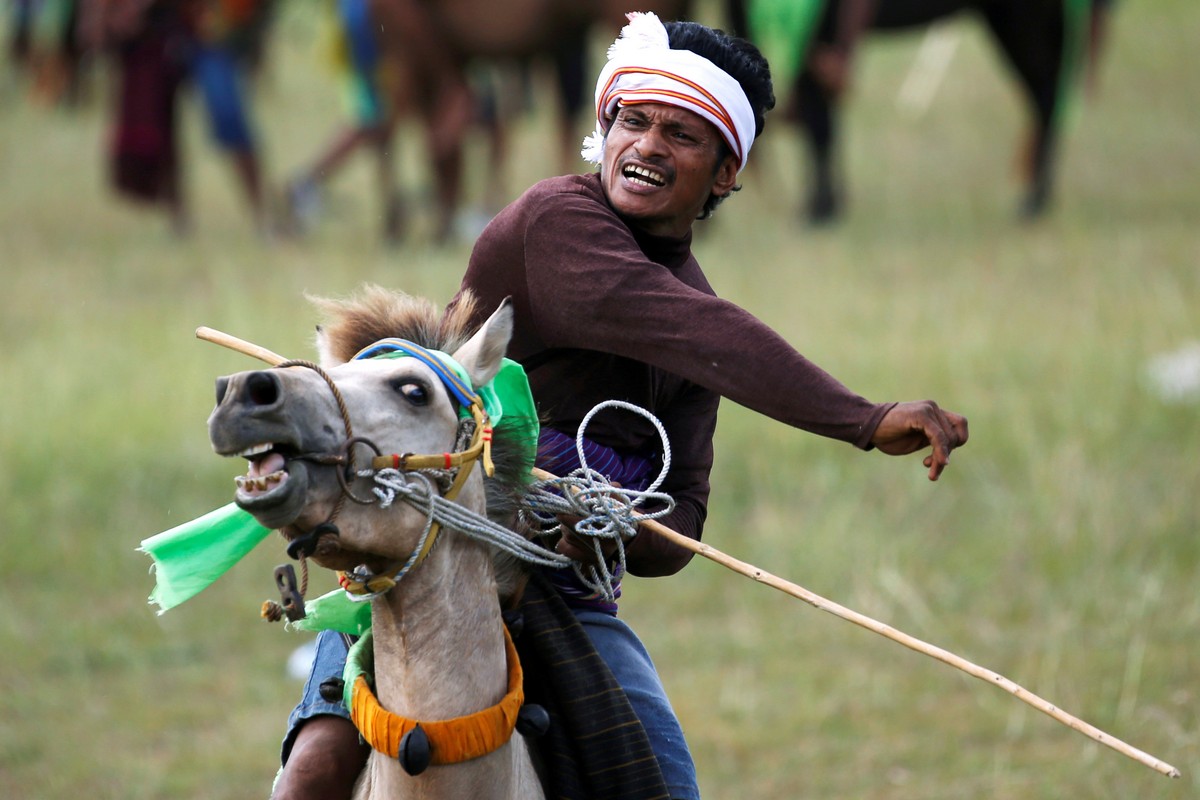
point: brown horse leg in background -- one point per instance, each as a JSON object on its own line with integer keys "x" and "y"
{"x": 1030, "y": 34}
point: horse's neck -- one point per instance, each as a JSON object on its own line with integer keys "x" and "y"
{"x": 439, "y": 646}
{"x": 440, "y": 654}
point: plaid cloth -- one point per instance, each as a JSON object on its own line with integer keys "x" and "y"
{"x": 595, "y": 749}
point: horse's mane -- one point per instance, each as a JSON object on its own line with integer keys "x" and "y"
{"x": 375, "y": 313}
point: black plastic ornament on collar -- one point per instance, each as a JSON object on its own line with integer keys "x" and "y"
{"x": 415, "y": 751}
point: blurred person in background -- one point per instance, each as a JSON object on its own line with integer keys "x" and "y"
{"x": 158, "y": 46}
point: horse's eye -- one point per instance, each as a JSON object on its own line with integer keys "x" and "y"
{"x": 414, "y": 393}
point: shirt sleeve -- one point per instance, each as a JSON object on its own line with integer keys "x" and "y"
{"x": 590, "y": 286}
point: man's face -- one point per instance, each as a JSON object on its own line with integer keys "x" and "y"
{"x": 661, "y": 164}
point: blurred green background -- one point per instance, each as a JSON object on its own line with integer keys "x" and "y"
{"x": 1060, "y": 549}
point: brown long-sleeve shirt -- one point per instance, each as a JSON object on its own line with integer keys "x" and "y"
{"x": 602, "y": 311}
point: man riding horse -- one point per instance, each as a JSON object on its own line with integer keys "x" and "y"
{"x": 609, "y": 302}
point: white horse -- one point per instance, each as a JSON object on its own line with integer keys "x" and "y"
{"x": 441, "y": 650}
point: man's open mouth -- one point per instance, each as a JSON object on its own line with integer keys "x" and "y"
{"x": 643, "y": 176}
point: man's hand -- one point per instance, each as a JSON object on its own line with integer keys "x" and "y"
{"x": 913, "y": 426}
{"x": 580, "y": 548}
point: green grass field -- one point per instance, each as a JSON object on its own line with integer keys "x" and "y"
{"x": 1061, "y": 548}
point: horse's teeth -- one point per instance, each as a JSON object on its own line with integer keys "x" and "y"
{"x": 255, "y": 450}
{"x": 259, "y": 483}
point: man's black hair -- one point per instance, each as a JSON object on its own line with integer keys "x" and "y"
{"x": 742, "y": 61}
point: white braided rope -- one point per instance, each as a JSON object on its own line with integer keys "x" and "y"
{"x": 606, "y": 512}
{"x": 393, "y": 483}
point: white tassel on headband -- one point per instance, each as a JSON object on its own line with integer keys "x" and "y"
{"x": 642, "y": 68}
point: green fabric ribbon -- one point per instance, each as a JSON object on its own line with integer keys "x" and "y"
{"x": 190, "y": 557}
{"x": 360, "y": 660}
{"x": 334, "y": 611}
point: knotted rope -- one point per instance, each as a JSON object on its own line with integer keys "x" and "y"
{"x": 606, "y": 512}
{"x": 418, "y": 490}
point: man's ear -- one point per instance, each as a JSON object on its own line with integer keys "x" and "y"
{"x": 726, "y": 178}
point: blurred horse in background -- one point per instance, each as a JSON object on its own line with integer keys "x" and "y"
{"x": 428, "y": 47}
{"x": 811, "y": 45}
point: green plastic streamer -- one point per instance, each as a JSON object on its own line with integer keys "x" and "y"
{"x": 190, "y": 557}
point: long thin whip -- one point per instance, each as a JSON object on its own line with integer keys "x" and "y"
{"x": 911, "y": 642}
{"x": 813, "y": 599}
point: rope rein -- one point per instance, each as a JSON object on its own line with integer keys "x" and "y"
{"x": 605, "y": 512}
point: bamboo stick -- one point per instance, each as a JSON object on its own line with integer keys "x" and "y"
{"x": 240, "y": 345}
{"x": 813, "y": 599}
{"x": 933, "y": 651}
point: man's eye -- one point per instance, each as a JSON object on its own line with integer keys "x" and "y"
{"x": 414, "y": 393}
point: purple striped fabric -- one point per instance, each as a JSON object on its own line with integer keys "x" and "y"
{"x": 557, "y": 454}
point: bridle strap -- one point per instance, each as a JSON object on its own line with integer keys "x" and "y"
{"x": 479, "y": 448}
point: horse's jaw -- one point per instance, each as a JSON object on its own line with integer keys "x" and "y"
{"x": 277, "y": 487}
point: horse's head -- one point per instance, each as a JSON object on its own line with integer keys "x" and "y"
{"x": 305, "y": 430}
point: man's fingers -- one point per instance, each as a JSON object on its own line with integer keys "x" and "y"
{"x": 948, "y": 432}
{"x": 582, "y": 549}
{"x": 940, "y": 457}
{"x": 913, "y": 426}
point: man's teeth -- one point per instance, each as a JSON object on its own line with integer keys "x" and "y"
{"x": 255, "y": 450}
{"x": 644, "y": 176}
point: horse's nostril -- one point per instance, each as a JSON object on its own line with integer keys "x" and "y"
{"x": 222, "y": 387}
{"x": 262, "y": 389}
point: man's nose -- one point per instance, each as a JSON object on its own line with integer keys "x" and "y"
{"x": 652, "y": 141}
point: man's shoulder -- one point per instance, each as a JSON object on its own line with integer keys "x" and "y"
{"x": 553, "y": 190}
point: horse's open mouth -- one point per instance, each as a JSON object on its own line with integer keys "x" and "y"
{"x": 273, "y": 487}
{"x": 267, "y": 471}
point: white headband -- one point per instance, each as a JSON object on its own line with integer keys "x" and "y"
{"x": 642, "y": 68}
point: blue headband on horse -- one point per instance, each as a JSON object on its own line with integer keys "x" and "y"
{"x": 509, "y": 388}
{"x": 450, "y": 371}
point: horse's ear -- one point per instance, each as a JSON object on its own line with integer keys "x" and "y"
{"x": 325, "y": 354}
{"x": 481, "y": 355}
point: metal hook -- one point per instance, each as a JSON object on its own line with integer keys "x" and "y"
{"x": 291, "y": 600}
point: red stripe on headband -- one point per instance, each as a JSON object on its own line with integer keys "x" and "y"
{"x": 716, "y": 108}
{"x": 675, "y": 77}
{"x": 635, "y": 96}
